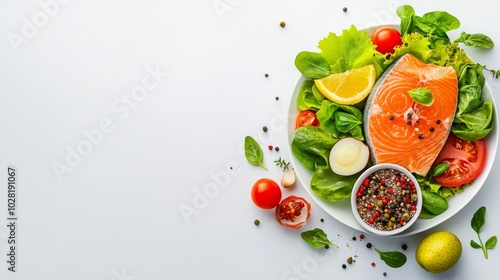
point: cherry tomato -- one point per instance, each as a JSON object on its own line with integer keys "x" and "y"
{"x": 266, "y": 193}
{"x": 293, "y": 212}
{"x": 306, "y": 117}
{"x": 466, "y": 160}
{"x": 386, "y": 39}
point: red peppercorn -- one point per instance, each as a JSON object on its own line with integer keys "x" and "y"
{"x": 361, "y": 236}
{"x": 366, "y": 182}
{"x": 373, "y": 264}
{"x": 382, "y": 182}
{"x": 371, "y": 221}
{"x": 270, "y": 147}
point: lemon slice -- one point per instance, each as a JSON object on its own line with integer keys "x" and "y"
{"x": 349, "y": 87}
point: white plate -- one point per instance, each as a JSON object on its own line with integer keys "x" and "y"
{"x": 341, "y": 210}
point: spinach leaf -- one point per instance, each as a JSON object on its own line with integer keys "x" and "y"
{"x": 443, "y": 20}
{"x": 477, "y": 40}
{"x": 477, "y": 222}
{"x": 253, "y": 152}
{"x": 405, "y": 13}
{"x": 341, "y": 120}
{"x": 309, "y": 97}
{"x": 312, "y": 65}
{"x": 422, "y": 96}
{"x": 433, "y": 202}
{"x": 330, "y": 186}
{"x": 393, "y": 259}
{"x": 316, "y": 238}
{"x": 311, "y": 146}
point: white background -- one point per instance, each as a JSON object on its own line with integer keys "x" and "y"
{"x": 71, "y": 69}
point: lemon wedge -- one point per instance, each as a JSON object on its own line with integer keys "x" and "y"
{"x": 349, "y": 87}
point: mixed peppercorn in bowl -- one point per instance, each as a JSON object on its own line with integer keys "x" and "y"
{"x": 386, "y": 199}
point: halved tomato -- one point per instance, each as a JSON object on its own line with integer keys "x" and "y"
{"x": 306, "y": 117}
{"x": 293, "y": 212}
{"x": 466, "y": 160}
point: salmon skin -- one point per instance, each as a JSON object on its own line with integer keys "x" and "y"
{"x": 401, "y": 131}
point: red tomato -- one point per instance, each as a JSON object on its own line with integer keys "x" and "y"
{"x": 466, "y": 160}
{"x": 306, "y": 117}
{"x": 386, "y": 38}
{"x": 293, "y": 212}
{"x": 266, "y": 193}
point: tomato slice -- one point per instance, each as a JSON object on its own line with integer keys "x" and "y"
{"x": 466, "y": 160}
{"x": 293, "y": 212}
{"x": 266, "y": 193}
{"x": 306, "y": 117}
{"x": 386, "y": 39}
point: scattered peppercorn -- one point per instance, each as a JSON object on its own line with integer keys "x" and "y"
{"x": 368, "y": 245}
{"x": 404, "y": 247}
{"x": 385, "y": 273}
{"x": 277, "y": 149}
{"x": 438, "y": 121}
{"x": 282, "y": 24}
{"x": 326, "y": 246}
{"x": 264, "y": 128}
{"x": 270, "y": 147}
{"x": 361, "y": 236}
{"x": 409, "y": 115}
{"x": 266, "y": 75}
{"x": 322, "y": 220}
{"x": 373, "y": 264}
{"x": 391, "y": 118}
{"x": 349, "y": 260}
{"x": 344, "y": 266}
{"x": 256, "y": 222}
{"x": 408, "y": 122}
{"x": 354, "y": 238}
{"x": 344, "y": 9}
{"x": 431, "y": 129}
{"x": 277, "y": 98}
{"x": 420, "y": 136}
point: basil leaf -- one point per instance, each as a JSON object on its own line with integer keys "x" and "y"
{"x": 316, "y": 238}
{"x": 312, "y": 65}
{"x": 345, "y": 122}
{"x": 439, "y": 169}
{"x": 477, "y": 40}
{"x": 393, "y": 259}
{"x": 253, "y": 152}
{"x": 490, "y": 243}
{"x": 330, "y": 186}
{"x": 478, "y": 219}
{"x": 422, "y": 96}
{"x": 474, "y": 244}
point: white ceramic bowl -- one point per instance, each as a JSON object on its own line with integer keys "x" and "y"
{"x": 354, "y": 201}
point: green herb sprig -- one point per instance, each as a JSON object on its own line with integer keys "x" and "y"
{"x": 477, "y": 222}
{"x": 282, "y": 164}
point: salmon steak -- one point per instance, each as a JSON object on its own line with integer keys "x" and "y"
{"x": 401, "y": 131}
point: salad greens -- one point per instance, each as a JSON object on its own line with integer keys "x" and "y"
{"x": 425, "y": 37}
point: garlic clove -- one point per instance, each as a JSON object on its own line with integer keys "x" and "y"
{"x": 288, "y": 180}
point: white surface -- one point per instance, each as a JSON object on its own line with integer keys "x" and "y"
{"x": 117, "y": 215}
